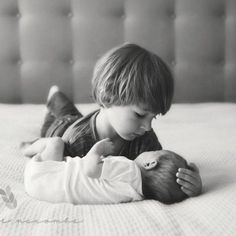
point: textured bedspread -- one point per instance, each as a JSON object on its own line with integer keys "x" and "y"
{"x": 202, "y": 133}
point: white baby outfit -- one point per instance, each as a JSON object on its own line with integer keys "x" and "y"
{"x": 55, "y": 181}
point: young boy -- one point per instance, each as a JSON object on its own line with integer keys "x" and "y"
{"x": 98, "y": 178}
{"x": 132, "y": 86}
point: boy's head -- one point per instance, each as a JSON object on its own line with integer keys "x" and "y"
{"x": 158, "y": 169}
{"x": 132, "y": 75}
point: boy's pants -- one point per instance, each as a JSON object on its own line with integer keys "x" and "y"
{"x": 61, "y": 114}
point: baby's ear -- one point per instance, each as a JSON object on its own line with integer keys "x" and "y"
{"x": 37, "y": 157}
{"x": 150, "y": 165}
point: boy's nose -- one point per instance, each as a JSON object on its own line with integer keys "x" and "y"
{"x": 146, "y": 126}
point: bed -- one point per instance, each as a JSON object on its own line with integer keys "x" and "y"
{"x": 203, "y": 133}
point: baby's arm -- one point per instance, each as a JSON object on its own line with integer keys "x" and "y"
{"x": 54, "y": 150}
{"x": 93, "y": 159}
{"x": 46, "y": 149}
{"x": 34, "y": 148}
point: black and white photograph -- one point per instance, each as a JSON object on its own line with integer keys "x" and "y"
{"x": 118, "y": 117}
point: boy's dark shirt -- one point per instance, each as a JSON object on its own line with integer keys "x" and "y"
{"x": 82, "y": 135}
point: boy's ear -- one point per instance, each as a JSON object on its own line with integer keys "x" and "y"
{"x": 150, "y": 164}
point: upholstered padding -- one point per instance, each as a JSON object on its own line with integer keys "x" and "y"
{"x": 58, "y": 42}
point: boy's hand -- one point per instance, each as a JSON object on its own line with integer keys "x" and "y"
{"x": 190, "y": 180}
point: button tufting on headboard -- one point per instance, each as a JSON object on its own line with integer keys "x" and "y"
{"x": 58, "y": 42}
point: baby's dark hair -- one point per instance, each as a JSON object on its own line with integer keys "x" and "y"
{"x": 160, "y": 183}
{"x": 132, "y": 75}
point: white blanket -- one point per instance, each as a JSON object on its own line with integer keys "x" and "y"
{"x": 202, "y": 133}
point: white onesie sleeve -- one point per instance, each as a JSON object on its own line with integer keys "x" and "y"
{"x": 45, "y": 180}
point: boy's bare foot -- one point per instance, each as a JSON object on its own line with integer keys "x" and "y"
{"x": 52, "y": 91}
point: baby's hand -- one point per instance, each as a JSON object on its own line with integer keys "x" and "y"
{"x": 94, "y": 157}
{"x": 104, "y": 147}
{"x": 190, "y": 180}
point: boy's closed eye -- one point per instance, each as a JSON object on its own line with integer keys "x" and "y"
{"x": 142, "y": 116}
{"x": 139, "y": 115}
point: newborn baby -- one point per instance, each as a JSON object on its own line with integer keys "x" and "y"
{"x": 98, "y": 177}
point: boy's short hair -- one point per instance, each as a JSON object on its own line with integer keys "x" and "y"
{"x": 160, "y": 183}
{"x": 132, "y": 75}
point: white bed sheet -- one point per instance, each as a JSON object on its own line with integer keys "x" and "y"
{"x": 202, "y": 133}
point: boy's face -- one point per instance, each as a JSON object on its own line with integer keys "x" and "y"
{"x": 130, "y": 121}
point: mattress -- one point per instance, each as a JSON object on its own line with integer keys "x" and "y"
{"x": 203, "y": 133}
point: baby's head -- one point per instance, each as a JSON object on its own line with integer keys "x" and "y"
{"x": 131, "y": 75}
{"x": 158, "y": 170}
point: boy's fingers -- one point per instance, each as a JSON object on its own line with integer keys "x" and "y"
{"x": 187, "y": 178}
{"x": 187, "y": 191}
{"x": 185, "y": 184}
{"x": 183, "y": 173}
{"x": 193, "y": 188}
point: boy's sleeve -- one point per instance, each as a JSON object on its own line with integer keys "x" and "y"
{"x": 150, "y": 142}
{"x": 147, "y": 142}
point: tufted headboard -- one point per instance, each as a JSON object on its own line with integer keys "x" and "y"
{"x": 46, "y": 42}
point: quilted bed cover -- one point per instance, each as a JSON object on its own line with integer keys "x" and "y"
{"x": 203, "y": 133}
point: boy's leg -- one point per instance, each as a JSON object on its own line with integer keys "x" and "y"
{"x": 53, "y": 150}
{"x": 59, "y": 106}
{"x": 48, "y": 121}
